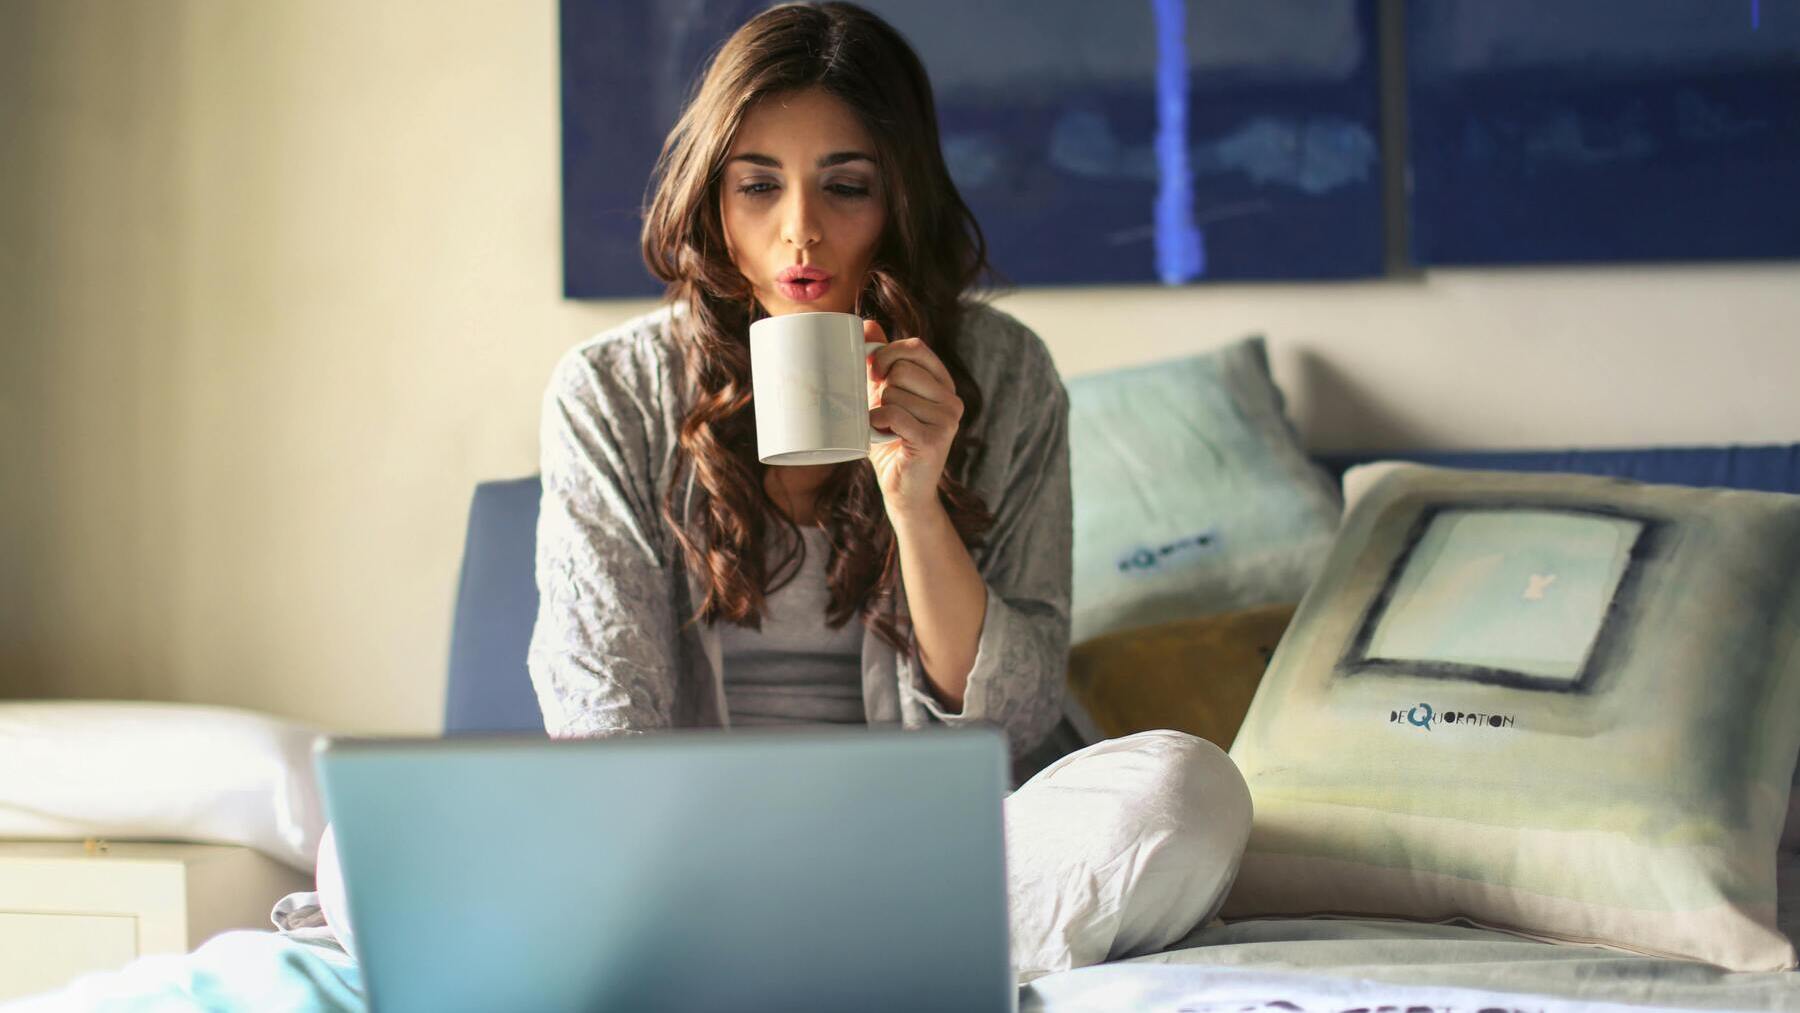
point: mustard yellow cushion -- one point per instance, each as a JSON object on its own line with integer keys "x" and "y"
{"x": 1193, "y": 675}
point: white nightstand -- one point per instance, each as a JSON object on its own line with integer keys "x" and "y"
{"x": 66, "y": 910}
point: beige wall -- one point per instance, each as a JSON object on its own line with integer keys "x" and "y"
{"x": 279, "y": 282}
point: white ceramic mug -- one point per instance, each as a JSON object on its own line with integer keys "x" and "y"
{"x": 810, "y": 387}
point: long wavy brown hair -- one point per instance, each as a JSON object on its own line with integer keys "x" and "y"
{"x": 930, "y": 256}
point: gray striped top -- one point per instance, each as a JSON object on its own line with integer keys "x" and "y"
{"x": 796, "y": 670}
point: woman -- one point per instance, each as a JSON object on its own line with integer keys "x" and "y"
{"x": 682, "y": 583}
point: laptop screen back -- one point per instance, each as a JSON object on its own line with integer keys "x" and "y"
{"x": 687, "y": 870}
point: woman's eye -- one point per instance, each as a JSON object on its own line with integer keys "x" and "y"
{"x": 763, "y": 189}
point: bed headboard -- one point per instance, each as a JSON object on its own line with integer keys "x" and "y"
{"x": 489, "y": 689}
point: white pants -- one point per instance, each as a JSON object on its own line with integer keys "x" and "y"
{"x": 1114, "y": 850}
{"x": 1120, "y": 849}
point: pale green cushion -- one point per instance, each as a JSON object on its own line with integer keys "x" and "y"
{"x": 1192, "y": 494}
{"x": 1562, "y": 705}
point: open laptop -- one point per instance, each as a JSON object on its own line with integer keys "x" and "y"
{"x": 685, "y": 870}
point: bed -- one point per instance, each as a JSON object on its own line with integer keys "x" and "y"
{"x": 1289, "y": 964}
{"x": 1286, "y": 965}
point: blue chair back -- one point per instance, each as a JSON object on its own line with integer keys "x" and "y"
{"x": 489, "y": 689}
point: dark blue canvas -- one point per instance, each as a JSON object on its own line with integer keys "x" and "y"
{"x": 1157, "y": 140}
{"x": 1603, "y": 130}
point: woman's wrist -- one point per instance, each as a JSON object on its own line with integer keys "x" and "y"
{"x": 916, "y": 519}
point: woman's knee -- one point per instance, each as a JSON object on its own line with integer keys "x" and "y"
{"x": 1168, "y": 774}
{"x": 1122, "y": 848}
{"x": 1202, "y": 777}
{"x": 1199, "y": 806}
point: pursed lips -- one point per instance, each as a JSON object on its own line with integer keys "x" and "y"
{"x": 803, "y": 284}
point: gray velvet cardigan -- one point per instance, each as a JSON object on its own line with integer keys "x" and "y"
{"x": 612, "y": 651}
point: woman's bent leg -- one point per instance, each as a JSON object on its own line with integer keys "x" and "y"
{"x": 333, "y": 900}
{"x": 1120, "y": 849}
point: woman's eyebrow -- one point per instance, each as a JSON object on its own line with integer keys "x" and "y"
{"x": 826, "y": 162}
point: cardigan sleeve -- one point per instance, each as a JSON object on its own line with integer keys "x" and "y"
{"x": 604, "y": 652}
{"x": 1021, "y": 659}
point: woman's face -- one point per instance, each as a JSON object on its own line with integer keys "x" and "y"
{"x": 801, "y": 191}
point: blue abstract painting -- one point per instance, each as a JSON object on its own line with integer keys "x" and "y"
{"x": 1167, "y": 141}
{"x": 1525, "y": 596}
{"x": 1603, "y": 130}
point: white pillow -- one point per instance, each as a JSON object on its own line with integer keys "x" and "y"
{"x": 159, "y": 771}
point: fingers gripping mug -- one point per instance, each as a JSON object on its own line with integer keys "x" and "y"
{"x": 811, "y": 389}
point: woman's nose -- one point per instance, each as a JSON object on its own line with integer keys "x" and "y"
{"x": 800, "y": 226}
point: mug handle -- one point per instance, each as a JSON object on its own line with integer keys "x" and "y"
{"x": 876, "y": 436}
